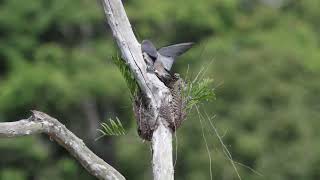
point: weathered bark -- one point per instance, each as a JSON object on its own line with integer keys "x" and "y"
{"x": 162, "y": 153}
{"x": 42, "y": 123}
{"x": 155, "y": 93}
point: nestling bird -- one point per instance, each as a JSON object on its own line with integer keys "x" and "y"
{"x": 163, "y": 58}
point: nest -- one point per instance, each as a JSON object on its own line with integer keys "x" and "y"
{"x": 173, "y": 112}
{"x": 144, "y": 117}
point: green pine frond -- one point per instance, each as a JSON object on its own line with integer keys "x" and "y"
{"x": 198, "y": 90}
{"x": 111, "y": 128}
{"x": 127, "y": 74}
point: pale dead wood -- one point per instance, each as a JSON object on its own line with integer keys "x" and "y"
{"x": 42, "y": 123}
{"x": 152, "y": 88}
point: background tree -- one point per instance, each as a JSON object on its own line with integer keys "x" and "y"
{"x": 266, "y": 69}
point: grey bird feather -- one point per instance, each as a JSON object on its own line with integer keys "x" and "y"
{"x": 175, "y": 50}
{"x": 170, "y": 53}
{"x": 165, "y": 56}
{"x": 149, "y": 48}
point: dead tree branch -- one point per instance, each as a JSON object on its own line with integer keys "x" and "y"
{"x": 152, "y": 88}
{"x": 42, "y": 123}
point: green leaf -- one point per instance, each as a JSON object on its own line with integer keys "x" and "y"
{"x": 111, "y": 128}
{"x": 127, "y": 74}
{"x": 198, "y": 90}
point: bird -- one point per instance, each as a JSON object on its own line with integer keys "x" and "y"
{"x": 161, "y": 60}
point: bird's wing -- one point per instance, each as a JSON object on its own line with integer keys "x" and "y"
{"x": 175, "y": 50}
{"x": 166, "y": 61}
{"x": 149, "y": 48}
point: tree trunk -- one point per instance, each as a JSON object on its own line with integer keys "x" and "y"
{"x": 154, "y": 91}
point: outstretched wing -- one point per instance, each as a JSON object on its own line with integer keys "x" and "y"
{"x": 166, "y": 61}
{"x": 149, "y": 48}
{"x": 175, "y": 50}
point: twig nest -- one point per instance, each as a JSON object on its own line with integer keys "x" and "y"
{"x": 143, "y": 116}
{"x": 173, "y": 112}
{"x": 178, "y": 104}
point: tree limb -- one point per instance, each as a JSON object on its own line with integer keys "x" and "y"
{"x": 40, "y": 122}
{"x": 162, "y": 153}
{"x": 152, "y": 88}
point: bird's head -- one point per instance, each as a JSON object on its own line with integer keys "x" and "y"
{"x": 148, "y": 47}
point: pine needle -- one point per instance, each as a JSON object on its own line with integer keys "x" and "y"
{"x": 198, "y": 90}
{"x": 127, "y": 75}
{"x": 111, "y": 128}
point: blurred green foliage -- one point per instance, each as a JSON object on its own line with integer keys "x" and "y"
{"x": 55, "y": 56}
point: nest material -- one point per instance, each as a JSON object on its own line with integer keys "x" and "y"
{"x": 178, "y": 104}
{"x": 173, "y": 112}
{"x": 143, "y": 116}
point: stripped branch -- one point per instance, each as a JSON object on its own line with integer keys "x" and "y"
{"x": 153, "y": 90}
{"x": 40, "y": 122}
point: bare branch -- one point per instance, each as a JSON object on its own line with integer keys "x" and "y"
{"x": 162, "y": 154}
{"x": 40, "y": 122}
{"x": 152, "y": 88}
{"x": 129, "y": 46}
